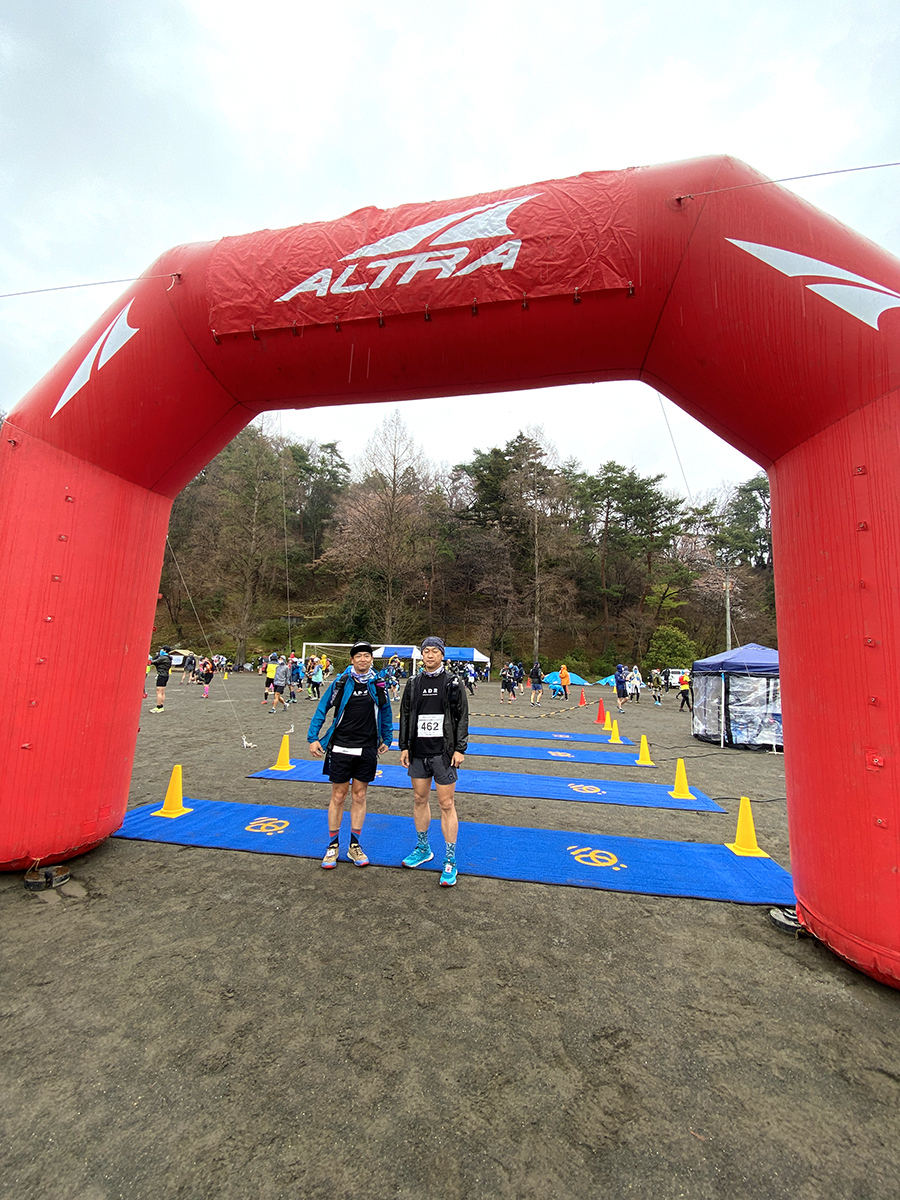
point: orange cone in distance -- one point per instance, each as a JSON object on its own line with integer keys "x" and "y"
{"x": 681, "y": 791}
{"x": 601, "y": 713}
{"x": 745, "y": 842}
{"x": 644, "y": 759}
{"x": 173, "y": 805}
{"x": 582, "y": 703}
{"x": 283, "y": 762}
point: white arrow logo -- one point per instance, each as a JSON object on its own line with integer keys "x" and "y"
{"x": 860, "y": 297}
{"x": 110, "y": 342}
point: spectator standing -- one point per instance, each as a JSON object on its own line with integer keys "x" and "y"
{"x": 537, "y": 684}
{"x": 684, "y": 692}
{"x": 621, "y": 678}
{"x": 163, "y": 664}
{"x": 564, "y": 680}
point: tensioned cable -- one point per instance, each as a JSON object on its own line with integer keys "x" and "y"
{"x": 674, "y": 447}
{"x": 287, "y": 574}
{"x": 67, "y": 287}
{"x": 187, "y": 591}
{"x": 787, "y": 179}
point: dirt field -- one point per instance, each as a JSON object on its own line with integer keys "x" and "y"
{"x": 192, "y": 1023}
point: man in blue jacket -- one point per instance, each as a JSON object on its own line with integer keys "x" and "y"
{"x": 361, "y": 730}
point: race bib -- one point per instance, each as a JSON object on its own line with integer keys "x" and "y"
{"x": 430, "y": 726}
{"x": 355, "y": 750}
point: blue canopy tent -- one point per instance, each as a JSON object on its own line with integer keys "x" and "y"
{"x": 464, "y": 654}
{"x": 737, "y": 698}
{"x": 400, "y": 651}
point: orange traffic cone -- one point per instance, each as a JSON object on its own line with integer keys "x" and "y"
{"x": 601, "y": 713}
{"x": 582, "y": 703}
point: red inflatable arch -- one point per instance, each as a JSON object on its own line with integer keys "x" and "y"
{"x": 768, "y": 321}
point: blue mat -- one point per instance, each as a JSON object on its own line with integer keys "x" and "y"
{"x": 529, "y": 787}
{"x": 547, "y": 735}
{"x": 614, "y": 756}
{"x": 618, "y": 864}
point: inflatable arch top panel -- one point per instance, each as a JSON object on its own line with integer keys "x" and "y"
{"x": 768, "y": 321}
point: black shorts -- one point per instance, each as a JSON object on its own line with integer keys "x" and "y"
{"x": 432, "y": 766}
{"x": 279, "y": 688}
{"x": 341, "y": 768}
{"x": 162, "y": 680}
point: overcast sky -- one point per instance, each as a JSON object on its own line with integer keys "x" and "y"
{"x": 130, "y": 128}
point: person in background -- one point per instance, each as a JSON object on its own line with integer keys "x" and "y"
{"x": 564, "y": 680}
{"x": 537, "y": 684}
{"x": 187, "y": 669}
{"x": 163, "y": 664}
{"x": 684, "y": 692}
{"x": 433, "y": 736}
{"x": 621, "y": 678}
{"x": 316, "y": 680}
{"x": 362, "y": 728}
{"x": 279, "y": 683}
{"x": 508, "y": 683}
{"x": 271, "y": 666}
{"x": 206, "y": 668}
{"x": 656, "y": 685}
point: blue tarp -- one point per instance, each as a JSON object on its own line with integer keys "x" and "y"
{"x": 555, "y": 856}
{"x": 545, "y": 735}
{"x": 751, "y": 659}
{"x": 574, "y": 680}
{"x": 607, "y": 681}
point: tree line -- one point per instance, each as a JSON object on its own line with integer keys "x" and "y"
{"x": 525, "y": 556}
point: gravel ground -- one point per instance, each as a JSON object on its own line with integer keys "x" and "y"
{"x": 181, "y": 1022}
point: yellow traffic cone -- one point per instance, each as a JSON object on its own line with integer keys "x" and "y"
{"x": 283, "y": 762}
{"x": 173, "y": 805}
{"x": 615, "y": 740}
{"x": 225, "y": 676}
{"x": 745, "y": 842}
{"x": 644, "y": 759}
{"x": 681, "y": 791}
{"x": 607, "y": 724}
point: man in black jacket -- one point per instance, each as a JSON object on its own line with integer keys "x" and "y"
{"x": 434, "y": 734}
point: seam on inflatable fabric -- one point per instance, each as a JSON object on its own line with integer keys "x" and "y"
{"x": 662, "y": 308}
{"x": 88, "y": 462}
{"x": 851, "y": 938}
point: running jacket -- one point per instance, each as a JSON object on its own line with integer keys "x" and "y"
{"x": 456, "y": 707}
{"x": 384, "y": 716}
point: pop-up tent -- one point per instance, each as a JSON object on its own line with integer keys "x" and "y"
{"x": 464, "y": 654}
{"x": 737, "y": 698}
{"x": 412, "y": 652}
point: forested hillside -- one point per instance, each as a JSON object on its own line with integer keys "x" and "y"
{"x": 514, "y": 552}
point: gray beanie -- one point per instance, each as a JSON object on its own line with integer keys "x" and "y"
{"x": 433, "y": 641}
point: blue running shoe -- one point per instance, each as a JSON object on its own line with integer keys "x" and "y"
{"x": 421, "y": 854}
{"x": 448, "y": 875}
